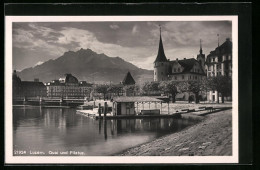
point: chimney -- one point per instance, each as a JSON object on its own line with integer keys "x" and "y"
{"x": 184, "y": 58}
{"x": 36, "y": 80}
{"x": 176, "y": 59}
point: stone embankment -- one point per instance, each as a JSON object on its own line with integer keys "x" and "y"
{"x": 211, "y": 137}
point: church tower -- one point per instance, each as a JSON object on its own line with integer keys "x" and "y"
{"x": 201, "y": 58}
{"x": 161, "y": 64}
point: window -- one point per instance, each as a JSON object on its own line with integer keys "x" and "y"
{"x": 179, "y": 70}
{"x": 175, "y": 70}
{"x": 154, "y": 73}
{"x": 175, "y": 77}
{"x": 195, "y": 77}
{"x": 161, "y": 73}
{"x": 190, "y": 77}
{"x": 182, "y": 77}
{"x": 213, "y": 59}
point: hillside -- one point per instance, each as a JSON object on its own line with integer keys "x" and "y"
{"x": 86, "y": 65}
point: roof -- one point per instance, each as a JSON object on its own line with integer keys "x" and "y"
{"x": 16, "y": 79}
{"x": 84, "y": 83}
{"x": 125, "y": 99}
{"x": 160, "y": 56}
{"x": 32, "y": 83}
{"x": 69, "y": 78}
{"x": 128, "y": 80}
{"x": 187, "y": 64}
{"x": 225, "y": 48}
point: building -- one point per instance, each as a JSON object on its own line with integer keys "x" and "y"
{"x": 68, "y": 86}
{"x": 22, "y": 89}
{"x": 178, "y": 70}
{"x": 190, "y": 69}
{"x": 125, "y": 105}
{"x": 219, "y": 62}
{"x": 34, "y": 89}
{"x": 186, "y": 70}
{"x": 17, "y": 85}
{"x": 128, "y": 80}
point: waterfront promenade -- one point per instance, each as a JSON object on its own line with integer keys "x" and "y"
{"x": 211, "y": 137}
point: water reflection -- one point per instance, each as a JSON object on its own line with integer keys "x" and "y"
{"x": 161, "y": 126}
{"x": 62, "y": 129}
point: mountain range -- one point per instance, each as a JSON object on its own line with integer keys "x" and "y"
{"x": 86, "y": 65}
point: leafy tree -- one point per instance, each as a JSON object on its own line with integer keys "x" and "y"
{"x": 102, "y": 88}
{"x": 87, "y": 91}
{"x": 116, "y": 88}
{"x": 131, "y": 89}
{"x": 193, "y": 86}
{"x": 169, "y": 87}
{"x": 149, "y": 87}
{"x": 145, "y": 88}
{"x": 221, "y": 84}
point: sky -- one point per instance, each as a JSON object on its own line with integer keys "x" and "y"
{"x": 135, "y": 42}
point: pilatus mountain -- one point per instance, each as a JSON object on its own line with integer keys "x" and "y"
{"x": 87, "y": 65}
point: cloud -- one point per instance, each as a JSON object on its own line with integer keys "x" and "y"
{"x": 135, "y": 30}
{"x": 39, "y": 63}
{"x": 38, "y": 38}
{"x": 114, "y": 26}
{"x": 44, "y": 41}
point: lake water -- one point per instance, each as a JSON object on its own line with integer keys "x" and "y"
{"x": 61, "y": 131}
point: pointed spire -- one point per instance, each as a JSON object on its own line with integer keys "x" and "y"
{"x": 128, "y": 80}
{"x": 160, "y": 56}
{"x": 160, "y": 30}
{"x": 218, "y": 40}
{"x": 200, "y": 47}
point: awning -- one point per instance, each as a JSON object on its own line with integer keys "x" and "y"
{"x": 125, "y": 99}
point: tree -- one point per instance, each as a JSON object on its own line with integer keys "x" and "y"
{"x": 193, "y": 86}
{"x": 221, "y": 84}
{"x": 149, "y": 87}
{"x": 102, "y": 88}
{"x": 131, "y": 89}
{"x": 169, "y": 87}
{"x": 115, "y": 88}
{"x": 145, "y": 88}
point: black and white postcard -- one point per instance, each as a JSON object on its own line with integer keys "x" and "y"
{"x": 121, "y": 89}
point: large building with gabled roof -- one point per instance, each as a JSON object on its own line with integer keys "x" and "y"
{"x": 178, "y": 70}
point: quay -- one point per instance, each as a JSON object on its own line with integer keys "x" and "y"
{"x": 129, "y": 108}
{"x": 196, "y": 112}
{"x": 43, "y": 101}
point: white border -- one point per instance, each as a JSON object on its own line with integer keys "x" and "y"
{"x": 10, "y": 159}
